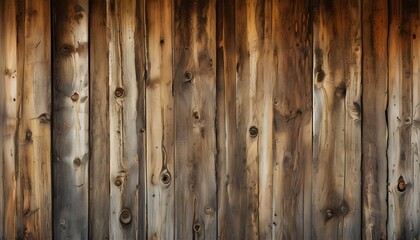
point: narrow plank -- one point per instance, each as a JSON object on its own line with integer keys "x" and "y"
{"x": 336, "y": 176}
{"x": 2, "y": 116}
{"x": 159, "y": 122}
{"x": 11, "y": 101}
{"x": 195, "y": 113}
{"x": 400, "y": 112}
{"x": 292, "y": 133}
{"x": 123, "y": 112}
{"x": 35, "y": 127}
{"x": 99, "y": 187}
{"x": 71, "y": 120}
{"x": 374, "y": 130}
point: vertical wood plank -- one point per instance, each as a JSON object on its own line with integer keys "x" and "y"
{"x": 375, "y": 132}
{"x": 292, "y": 46}
{"x": 2, "y": 116}
{"x": 195, "y": 140}
{"x": 11, "y": 100}
{"x": 124, "y": 96}
{"x": 99, "y": 202}
{"x": 160, "y": 120}
{"x": 401, "y": 188}
{"x": 70, "y": 120}
{"x": 336, "y": 134}
{"x": 35, "y": 128}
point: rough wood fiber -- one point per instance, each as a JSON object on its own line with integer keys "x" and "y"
{"x": 336, "y": 207}
{"x": 35, "y": 126}
{"x": 402, "y": 215}
{"x": 2, "y": 117}
{"x": 375, "y": 132}
{"x": 70, "y": 118}
{"x": 11, "y": 101}
{"x": 292, "y": 133}
{"x": 159, "y": 125}
{"x": 124, "y": 95}
{"x": 195, "y": 113}
{"x": 99, "y": 184}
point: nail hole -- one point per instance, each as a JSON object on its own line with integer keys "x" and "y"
{"x": 162, "y": 41}
{"x": 28, "y": 135}
{"x": 414, "y": 36}
{"x": 402, "y": 186}
{"x": 119, "y": 92}
{"x": 125, "y": 216}
{"x": 253, "y": 131}
{"x": 75, "y": 97}
{"x": 197, "y": 227}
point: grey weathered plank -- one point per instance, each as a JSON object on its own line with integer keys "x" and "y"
{"x": 99, "y": 211}
{"x": 195, "y": 113}
{"x": 70, "y": 118}
{"x": 34, "y": 122}
{"x": 124, "y": 97}
{"x": 292, "y": 132}
{"x": 375, "y": 132}
{"x": 160, "y": 121}
{"x": 336, "y": 175}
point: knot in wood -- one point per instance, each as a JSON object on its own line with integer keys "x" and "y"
{"x": 209, "y": 210}
{"x": 197, "y": 227}
{"x": 329, "y": 213}
{"x": 28, "y": 135}
{"x": 402, "y": 185}
{"x": 118, "y": 181}
{"x": 77, "y": 162}
{"x": 125, "y": 216}
{"x": 188, "y": 76}
{"x": 253, "y": 131}
{"x": 119, "y": 92}
{"x": 75, "y": 97}
{"x": 165, "y": 177}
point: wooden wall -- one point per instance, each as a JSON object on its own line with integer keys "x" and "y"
{"x": 193, "y": 119}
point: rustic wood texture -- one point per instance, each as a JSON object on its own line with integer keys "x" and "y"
{"x": 124, "y": 96}
{"x": 159, "y": 126}
{"x": 71, "y": 118}
{"x": 195, "y": 115}
{"x": 99, "y": 211}
{"x": 292, "y": 46}
{"x": 2, "y": 107}
{"x": 374, "y": 122}
{"x": 337, "y": 130}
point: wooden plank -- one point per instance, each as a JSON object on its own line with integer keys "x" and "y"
{"x": 35, "y": 127}
{"x": 99, "y": 203}
{"x": 195, "y": 113}
{"x": 159, "y": 122}
{"x": 71, "y": 120}
{"x": 292, "y": 133}
{"x": 401, "y": 214}
{"x": 336, "y": 94}
{"x": 2, "y": 116}
{"x": 11, "y": 101}
{"x": 375, "y": 132}
{"x": 124, "y": 96}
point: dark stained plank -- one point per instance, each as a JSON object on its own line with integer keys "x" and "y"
{"x": 35, "y": 125}
{"x": 336, "y": 184}
{"x": 70, "y": 118}
{"x": 160, "y": 121}
{"x": 195, "y": 114}
{"x": 375, "y": 132}
{"x": 292, "y": 132}
{"x": 402, "y": 217}
{"x": 99, "y": 211}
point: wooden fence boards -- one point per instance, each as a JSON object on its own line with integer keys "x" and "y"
{"x": 374, "y": 122}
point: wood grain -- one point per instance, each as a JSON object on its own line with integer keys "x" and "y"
{"x": 160, "y": 124}
{"x": 35, "y": 125}
{"x": 195, "y": 114}
{"x": 337, "y": 104}
{"x": 374, "y": 122}
{"x": 2, "y": 116}
{"x": 71, "y": 119}
{"x": 124, "y": 96}
{"x": 292, "y": 46}
{"x": 99, "y": 187}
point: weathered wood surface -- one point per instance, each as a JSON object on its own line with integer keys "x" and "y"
{"x": 337, "y": 115}
{"x": 123, "y": 17}
{"x": 195, "y": 116}
{"x": 159, "y": 125}
{"x": 2, "y": 96}
{"x": 374, "y": 122}
{"x": 70, "y": 118}
{"x": 99, "y": 211}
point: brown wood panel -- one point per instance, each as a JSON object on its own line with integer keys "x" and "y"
{"x": 35, "y": 125}
{"x": 70, "y": 118}
{"x": 336, "y": 175}
{"x": 375, "y": 132}
{"x": 2, "y": 115}
{"x": 160, "y": 124}
{"x": 99, "y": 211}
{"x": 292, "y": 132}
{"x": 124, "y": 96}
{"x": 195, "y": 114}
